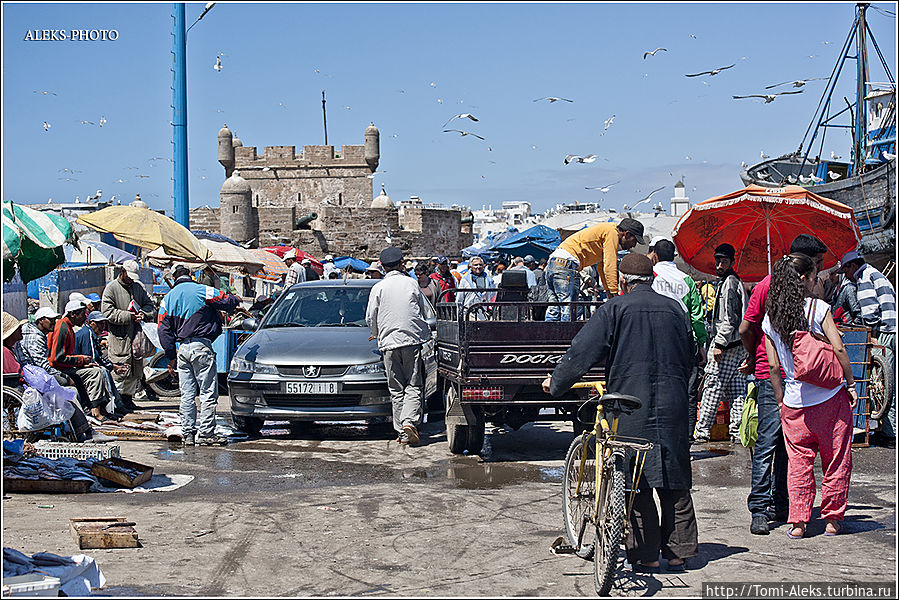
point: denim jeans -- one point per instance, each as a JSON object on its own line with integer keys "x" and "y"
{"x": 769, "y": 458}
{"x": 197, "y": 373}
{"x": 563, "y": 286}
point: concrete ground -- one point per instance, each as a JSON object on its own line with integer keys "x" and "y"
{"x": 347, "y": 511}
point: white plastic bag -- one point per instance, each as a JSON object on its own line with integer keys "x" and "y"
{"x": 151, "y": 330}
{"x": 59, "y": 401}
{"x": 33, "y": 413}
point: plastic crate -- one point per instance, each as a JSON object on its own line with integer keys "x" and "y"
{"x": 33, "y": 584}
{"x": 79, "y": 450}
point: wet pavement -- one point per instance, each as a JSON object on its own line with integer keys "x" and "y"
{"x": 345, "y": 510}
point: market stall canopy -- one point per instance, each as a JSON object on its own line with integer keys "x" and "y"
{"x": 483, "y": 248}
{"x": 32, "y": 241}
{"x": 761, "y": 223}
{"x": 539, "y": 241}
{"x": 96, "y": 252}
{"x": 280, "y": 251}
{"x": 222, "y": 255}
{"x": 272, "y": 266}
{"x": 148, "y": 229}
{"x": 359, "y": 266}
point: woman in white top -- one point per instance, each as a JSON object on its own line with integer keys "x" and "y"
{"x": 815, "y": 420}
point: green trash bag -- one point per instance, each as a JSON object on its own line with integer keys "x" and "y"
{"x": 749, "y": 421}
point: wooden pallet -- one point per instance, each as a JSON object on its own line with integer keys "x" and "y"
{"x": 90, "y": 533}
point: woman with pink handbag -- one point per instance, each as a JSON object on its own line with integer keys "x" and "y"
{"x": 816, "y": 396}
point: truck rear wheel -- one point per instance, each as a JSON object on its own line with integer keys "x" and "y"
{"x": 462, "y": 436}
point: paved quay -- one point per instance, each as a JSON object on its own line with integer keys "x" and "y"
{"x": 347, "y": 511}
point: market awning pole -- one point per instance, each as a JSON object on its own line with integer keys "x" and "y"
{"x": 768, "y": 237}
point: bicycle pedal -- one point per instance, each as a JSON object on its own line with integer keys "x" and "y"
{"x": 558, "y": 547}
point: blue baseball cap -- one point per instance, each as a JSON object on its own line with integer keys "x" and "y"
{"x": 96, "y": 316}
{"x": 93, "y": 297}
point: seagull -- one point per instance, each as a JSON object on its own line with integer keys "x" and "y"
{"x": 791, "y": 178}
{"x": 796, "y": 84}
{"x": 433, "y": 84}
{"x": 743, "y": 164}
{"x": 144, "y": 176}
{"x": 372, "y": 175}
{"x": 389, "y": 238}
{"x": 833, "y": 175}
{"x": 461, "y": 116}
{"x": 44, "y": 92}
{"x": 646, "y": 199}
{"x": 607, "y": 123}
{"x": 834, "y": 156}
{"x": 95, "y": 196}
{"x": 769, "y": 98}
{"x": 653, "y": 53}
{"x": 47, "y": 126}
{"x": 119, "y": 181}
{"x": 102, "y": 120}
{"x": 87, "y": 122}
{"x": 581, "y": 159}
{"x": 218, "y": 64}
{"x": 889, "y": 156}
{"x": 604, "y": 188}
{"x": 688, "y": 157}
{"x": 464, "y": 133}
{"x": 713, "y": 71}
{"x": 805, "y": 180}
{"x": 692, "y": 36}
{"x": 816, "y": 179}
{"x": 439, "y": 100}
{"x": 553, "y": 99}
{"x": 763, "y": 155}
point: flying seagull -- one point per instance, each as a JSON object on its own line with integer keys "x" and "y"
{"x": 44, "y": 92}
{"x": 581, "y": 159}
{"x": 102, "y": 120}
{"x": 604, "y": 188}
{"x": 87, "y": 122}
{"x": 463, "y": 133}
{"x": 646, "y": 199}
{"x": 389, "y": 238}
{"x": 796, "y": 84}
{"x": 47, "y": 126}
{"x": 769, "y": 98}
{"x": 144, "y": 176}
{"x": 653, "y": 53}
{"x": 713, "y": 71}
{"x": 218, "y": 64}
{"x": 553, "y": 99}
{"x": 607, "y": 123}
{"x": 461, "y": 116}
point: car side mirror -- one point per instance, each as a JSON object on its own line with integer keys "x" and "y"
{"x": 249, "y": 324}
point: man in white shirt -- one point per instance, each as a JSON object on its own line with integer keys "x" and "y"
{"x": 396, "y": 314}
{"x": 296, "y": 273}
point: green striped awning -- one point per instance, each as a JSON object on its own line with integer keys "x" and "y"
{"x": 32, "y": 241}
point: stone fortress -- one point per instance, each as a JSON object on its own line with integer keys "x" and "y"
{"x": 321, "y": 201}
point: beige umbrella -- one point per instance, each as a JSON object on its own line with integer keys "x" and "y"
{"x": 222, "y": 255}
{"x": 148, "y": 229}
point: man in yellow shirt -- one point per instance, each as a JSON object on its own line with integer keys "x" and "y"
{"x": 597, "y": 245}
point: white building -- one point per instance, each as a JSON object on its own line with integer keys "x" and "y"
{"x": 488, "y": 221}
{"x": 680, "y": 203}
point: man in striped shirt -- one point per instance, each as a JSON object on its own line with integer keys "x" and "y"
{"x": 878, "y": 303}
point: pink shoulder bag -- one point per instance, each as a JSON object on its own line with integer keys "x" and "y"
{"x": 815, "y": 361}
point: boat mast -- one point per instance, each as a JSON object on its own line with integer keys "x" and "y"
{"x": 861, "y": 133}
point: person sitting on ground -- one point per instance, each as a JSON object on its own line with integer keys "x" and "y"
{"x": 89, "y": 343}
{"x": 83, "y": 371}
{"x": 33, "y": 347}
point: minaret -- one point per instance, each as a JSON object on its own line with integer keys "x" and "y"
{"x": 226, "y": 150}
{"x": 680, "y": 204}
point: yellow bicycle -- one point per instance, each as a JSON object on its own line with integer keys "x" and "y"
{"x": 597, "y": 503}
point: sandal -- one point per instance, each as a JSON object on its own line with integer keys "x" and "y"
{"x": 794, "y": 527}
{"x": 837, "y": 528}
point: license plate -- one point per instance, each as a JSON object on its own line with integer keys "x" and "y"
{"x": 318, "y": 387}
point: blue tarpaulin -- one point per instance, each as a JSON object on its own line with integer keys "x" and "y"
{"x": 484, "y": 248}
{"x": 539, "y": 241}
{"x": 342, "y": 261}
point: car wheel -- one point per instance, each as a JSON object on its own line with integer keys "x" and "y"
{"x": 249, "y": 425}
{"x": 166, "y": 386}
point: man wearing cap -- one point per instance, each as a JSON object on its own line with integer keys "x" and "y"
{"x": 396, "y": 314}
{"x": 597, "y": 245}
{"x": 329, "y": 267}
{"x": 189, "y": 322}
{"x": 374, "y": 271}
{"x": 768, "y": 499}
{"x": 89, "y": 343}
{"x": 645, "y": 342}
{"x": 444, "y": 279}
{"x": 86, "y": 374}
{"x": 296, "y": 273}
{"x": 723, "y": 379}
{"x": 877, "y": 299}
{"x": 126, "y": 304}
{"x": 476, "y": 279}
{"x": 33, "y": 347}
{"x": 674, "y": 283}
{"x": 93, "y": 302}
{"x": 311, "y": 275}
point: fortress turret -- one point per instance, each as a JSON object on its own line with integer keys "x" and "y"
{"x": 237, "y": 219}
{"x": 382, "y": 200}
{"x": 226, "y": 150}
{"x": 372, "y": 147}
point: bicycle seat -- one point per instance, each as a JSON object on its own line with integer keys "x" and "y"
{"x": 622, "y": 403}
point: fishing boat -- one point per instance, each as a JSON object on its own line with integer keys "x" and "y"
{"x": 866, "y": 179}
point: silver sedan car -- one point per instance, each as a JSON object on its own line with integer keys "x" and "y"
{"x": 310, "y": 359}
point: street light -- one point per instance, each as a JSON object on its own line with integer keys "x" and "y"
{"x": 179, "y": 112}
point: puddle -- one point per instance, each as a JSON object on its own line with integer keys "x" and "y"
{"x": 487, "y": 475}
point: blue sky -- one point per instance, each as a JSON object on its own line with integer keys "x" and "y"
{"x": 379, "y": 60}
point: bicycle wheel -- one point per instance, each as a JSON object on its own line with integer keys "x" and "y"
{"x": 880, "y": 386}
{"x": 577, "y": 505}
{"x": 609, "y": 528}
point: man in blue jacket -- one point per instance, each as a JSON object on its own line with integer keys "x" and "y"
{"x": 188, "y": 315}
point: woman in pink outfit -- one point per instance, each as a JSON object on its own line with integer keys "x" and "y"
{"x": 815, "y": 420}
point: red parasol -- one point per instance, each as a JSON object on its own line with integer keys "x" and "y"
{"x": 761, "y": 223}
{"x": 280, "y": 251}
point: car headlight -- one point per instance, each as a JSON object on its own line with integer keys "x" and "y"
{"x": 239, "y": 365}
{"x": 369, "y": 369}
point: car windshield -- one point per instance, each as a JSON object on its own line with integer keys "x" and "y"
{"x": 320, "y": 307}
